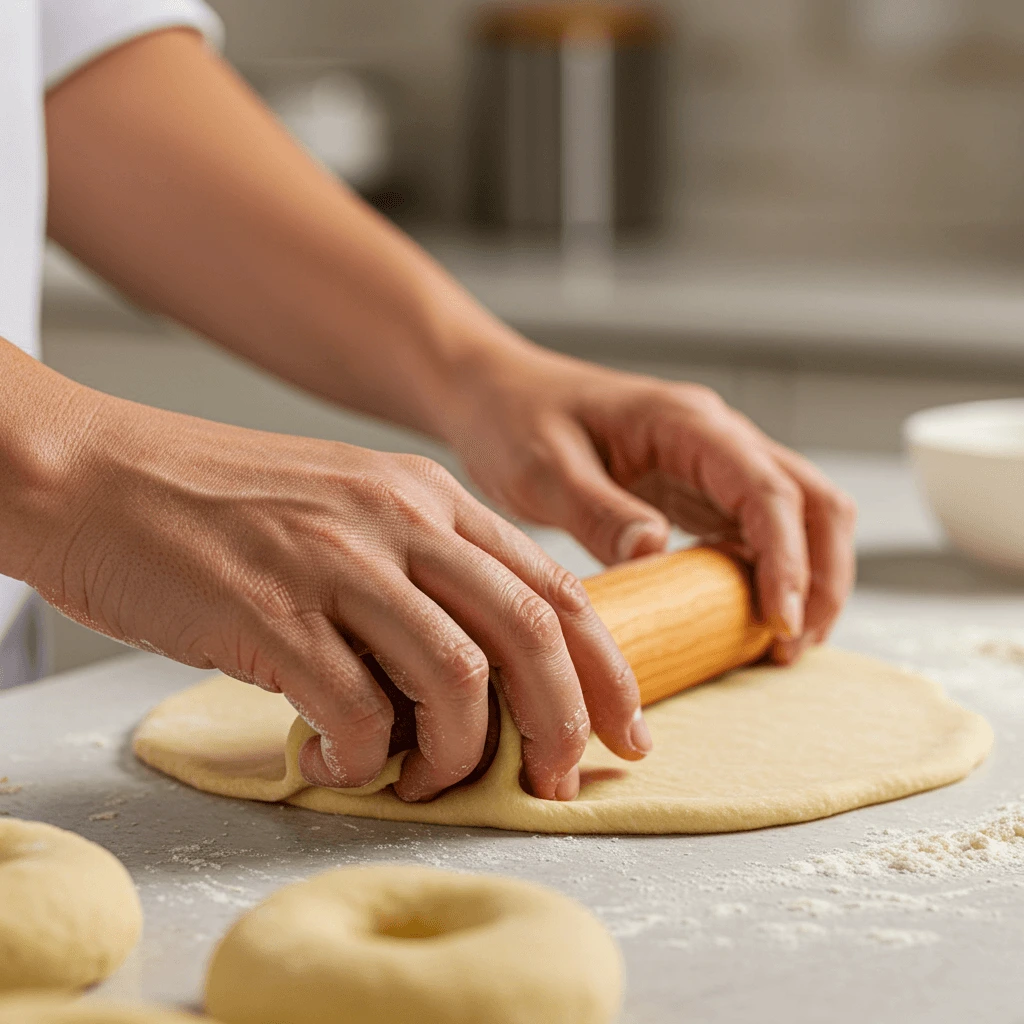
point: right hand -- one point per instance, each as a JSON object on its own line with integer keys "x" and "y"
{"x": 271, "y": 557}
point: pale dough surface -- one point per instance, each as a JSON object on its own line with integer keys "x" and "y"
{"x": 760, "y": 746}
{"x": 390, "y": 944}
{"x": 69, "y": 913}
{"x": 56, "y": 1010}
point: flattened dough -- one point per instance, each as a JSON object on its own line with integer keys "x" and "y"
{"x": 46, "y": 1009}
{"x": 760, "y": 746}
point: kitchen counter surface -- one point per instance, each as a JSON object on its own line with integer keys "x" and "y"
{"x": 658, "y": 300}
{"x": 834, "y": 920}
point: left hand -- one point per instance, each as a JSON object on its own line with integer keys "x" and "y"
{"x": 616, "y": 458}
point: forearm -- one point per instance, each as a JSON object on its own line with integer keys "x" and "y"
{"x": 170, "y": 178}
{"x": 44, "y": 424}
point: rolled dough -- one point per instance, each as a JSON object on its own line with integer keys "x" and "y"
{"x": 760, "y": 746}
{"x": 69, "y": 913}
{"x": 394, "y": 943}
{"x": 56, "y": 1010}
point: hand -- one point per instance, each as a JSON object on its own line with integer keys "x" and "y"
{"x": 615, "y": 458}
{"x": 270, "y": 557}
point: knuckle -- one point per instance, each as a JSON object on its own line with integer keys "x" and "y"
{"x": 840, "y": 507}
{"x": 426, "y": 470}
{"x": 624, "y": 681}
{"x": 699, "y": 398}
{"x": 366, "y": 712}
{"x": 535, "y": 624}
{"x": 273, "y": 600}
{"x": 565, "y": 592}
{"x": 574, "y": 732}
{"x": 403, "y": 508}
{"x": 466, "y": 671}
{"x": 385, "y": 493}
{"x": 780, "y": 489}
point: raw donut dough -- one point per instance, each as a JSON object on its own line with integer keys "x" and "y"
{"x": 69, "y": 913}
{"x": 392, "y": 944}
{"x": 760, "y": 746}
{"x": 56, "y": 1010}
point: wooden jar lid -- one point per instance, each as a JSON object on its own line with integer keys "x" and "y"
{"x": 554, "y": 23}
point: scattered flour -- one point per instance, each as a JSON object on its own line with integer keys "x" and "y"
{"x": 217, "y": 892}
{"x": 814, "y": 907}
{"x": 624, "y": 923}
{"x": 197, "y": 856}
{"x": 730, "y": 909}
{"x": 900, "y": 937}
{"x": 103, "y": 816}
{"x": 792, "y": 933}
{"x": 994, "y": 841}
{"x": 892, "y": 876}
{"x": 85, "y": 739}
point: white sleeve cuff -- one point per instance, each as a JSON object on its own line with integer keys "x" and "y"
{"x": 75, "y": 32}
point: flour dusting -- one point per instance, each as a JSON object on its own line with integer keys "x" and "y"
{"x": 792, "y": 933}
{"x": 86, "y": 739}
{"x": 900, "y": 937}
{"x": 993, "y": 841}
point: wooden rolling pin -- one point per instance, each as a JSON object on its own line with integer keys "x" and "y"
{"x": 679, "y": 619}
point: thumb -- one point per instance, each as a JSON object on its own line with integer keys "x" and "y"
{"x": 612, "y": 524}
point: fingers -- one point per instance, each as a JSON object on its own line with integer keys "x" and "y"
{"x": 335, "y": 693}
{"x": 830, "y": 517}
{"x": 431, "y": 659}
{"x": 611, "y": 523}
{"x": 683, "y": 504}
{"x": 794, "y": 525}
{"x": 734, "y": 467}
{"x": 522, "y": 638}
{"x": 607, "y": 682}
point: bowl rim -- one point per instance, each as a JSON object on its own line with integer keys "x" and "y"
{"x": 930, "y": 429}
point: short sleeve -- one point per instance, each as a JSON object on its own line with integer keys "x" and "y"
{"x": 74, "y": 32}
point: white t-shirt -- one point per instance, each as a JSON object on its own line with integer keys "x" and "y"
{"x": 42, "y": 42}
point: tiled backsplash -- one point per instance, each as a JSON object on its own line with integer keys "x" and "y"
{"x": 814, "y": 125}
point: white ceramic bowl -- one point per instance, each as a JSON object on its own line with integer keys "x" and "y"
{"x": 969, "y": 460}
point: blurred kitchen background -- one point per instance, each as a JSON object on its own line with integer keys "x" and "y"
{"x": 814, "y": 206}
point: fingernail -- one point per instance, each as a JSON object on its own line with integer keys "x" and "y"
{"x": 639, "y": 734}
{"x": 569, "y": 787}
{"x": 793, "y": 614}
{"x": 631, "y": 537}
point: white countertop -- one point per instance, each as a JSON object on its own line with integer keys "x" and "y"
{"x": 713, "y": 928}
{"x": 675, "y": 301}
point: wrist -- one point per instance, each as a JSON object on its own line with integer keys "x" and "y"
{"x": 45, "y": 439}
{"x": 491, "y": 369}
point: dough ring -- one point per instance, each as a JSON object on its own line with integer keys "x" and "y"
{"x": 57, "y": 1010}
{"x": 391, "y": 944}
{"x": 69, "y": 913}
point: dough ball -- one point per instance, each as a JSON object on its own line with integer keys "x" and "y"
{"x": 392, "y": 944}
{"x": 69, "y": 913}
{"x": 57, "y": 1010}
